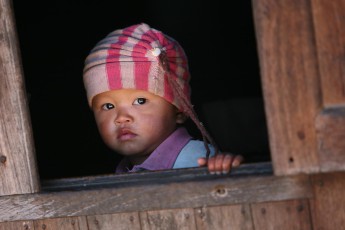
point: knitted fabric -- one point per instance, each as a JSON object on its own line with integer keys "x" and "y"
{"x": 142, "y": 58}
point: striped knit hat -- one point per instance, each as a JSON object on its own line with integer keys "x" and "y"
{"x": 143, "y": 58}
{"x": 139, "y": 57}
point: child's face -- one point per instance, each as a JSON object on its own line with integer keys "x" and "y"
{"x": 134, "y": 122}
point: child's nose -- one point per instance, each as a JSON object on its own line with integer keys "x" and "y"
{"x": 123, "y": 116}
{"x": 122, "y": 120}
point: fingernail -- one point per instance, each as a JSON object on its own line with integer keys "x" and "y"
{"x": 235, "y": 163}
{"x": 212, "y": 173}
{"x": 218, "y": 172}
{"x": 225, "y": 172}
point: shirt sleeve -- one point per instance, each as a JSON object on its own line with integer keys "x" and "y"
{"x": 188, "y": 157}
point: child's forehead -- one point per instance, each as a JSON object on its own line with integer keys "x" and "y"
{"x": 126, "y": 94}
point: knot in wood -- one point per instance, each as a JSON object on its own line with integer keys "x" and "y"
{"x": 3, "y": 159}
{"x": 220, "y": 191}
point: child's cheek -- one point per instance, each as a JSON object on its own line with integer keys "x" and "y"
{"x": 104, "y": 124}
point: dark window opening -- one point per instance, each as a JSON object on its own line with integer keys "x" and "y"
{"x": 219, "y": 42}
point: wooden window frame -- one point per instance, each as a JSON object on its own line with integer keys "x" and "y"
{"x": 168, "y": 189}
{"x": 304, "y": 109}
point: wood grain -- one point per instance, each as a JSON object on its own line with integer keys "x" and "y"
{"x": 330, "y": 127}
{"x": 222, "y": 190}
{"x": 224, "y": 217}
{"x": 18, "y": 170}
{"x": 290, "y": 81}
{"x": 182, "y": 219}
{"x": 67, "y": 223}
{"x": 119, "y": 221}
{"x": 330, "y": 40}
{"x": 328, "y": 205}
{"x": 17, "y": 225}
{"x": 282, "y": 215}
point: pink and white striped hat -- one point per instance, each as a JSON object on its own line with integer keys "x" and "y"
{"x": 143, "y": 58}
{"x": 139, "y": 57}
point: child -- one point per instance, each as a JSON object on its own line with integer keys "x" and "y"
{"x": 137, "y": 84}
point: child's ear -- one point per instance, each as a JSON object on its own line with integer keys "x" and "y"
{"x": 180, "y": 117}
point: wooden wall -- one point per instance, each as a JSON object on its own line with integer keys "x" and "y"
{"x": 242, "y": 201}
{"x": 18, "y": 171}
{"x": 303, "y": 82}
{"x": 301, "y": 46}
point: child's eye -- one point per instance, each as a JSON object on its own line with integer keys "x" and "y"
{"x": 140, "y": 101}
{"x": 108, "y": 106}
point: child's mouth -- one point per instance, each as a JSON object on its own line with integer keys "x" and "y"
{"x": 125, "y": 135}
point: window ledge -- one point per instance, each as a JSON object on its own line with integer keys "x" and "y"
{"x": 150, "y": 177}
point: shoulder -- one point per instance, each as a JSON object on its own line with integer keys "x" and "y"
{"x": 188, "y": 157}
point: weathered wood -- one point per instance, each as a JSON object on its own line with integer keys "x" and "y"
{"x": 168, "y": 219}
{"x": 222, "y": 190}
{"x": 224, "y": 217}
{"x": 17, "y": 225}
{"x": 290, "y": 81}
{"x": 120, "y": 221}
{"x": 67, "y": 223}
{"x": 283, "y": 215}
{"x": 18, "y": 172}
{"x": 328, "y": 205}
{"x": 142, "y": 178}
{"x": 330, "y": 126}
{"x": 330, "y": 40}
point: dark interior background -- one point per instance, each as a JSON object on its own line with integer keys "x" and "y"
{"x": 56, "y": 36}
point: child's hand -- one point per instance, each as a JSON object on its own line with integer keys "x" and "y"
{"x": 221, "y": 163}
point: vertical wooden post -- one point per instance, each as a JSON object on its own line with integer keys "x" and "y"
{"x": 18, "y": 171}
{"x": 290, "y": 80}
{"x": 329, "y": 23}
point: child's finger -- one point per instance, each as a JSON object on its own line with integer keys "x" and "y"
{"x": 237, "y": 160}
{"x": 218, "y": 165}
{"x": 211, "y": 165}
{"x": 202, "y": 161}
{"x": 227, "y": 163}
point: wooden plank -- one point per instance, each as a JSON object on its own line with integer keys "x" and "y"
{"x": 282, "y": 215}
{"x": 142, "y": 178}
{"x": 330, "y": 40}
{"x": 218, "y": 190}
{"x": 66, "y": 223}
{"x": 18, "y": 172}
{"x": 17, "y": 225}
{"x": 224, "y": 217}
{"x": 182, "y": 219}
{"x": 290, "y": 81}
{"x": 330, "y": 126}
{"x": 120, "y": 221}
{"x": 328, "y": 205}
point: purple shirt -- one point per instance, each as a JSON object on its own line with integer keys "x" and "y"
{"x": 163, "y": 157}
